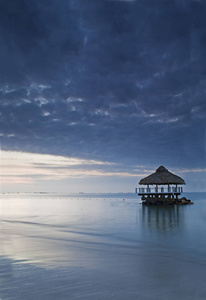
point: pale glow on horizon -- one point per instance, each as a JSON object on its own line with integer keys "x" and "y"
{"x": 27, "y": 168}
{"x": 33, "y": 171}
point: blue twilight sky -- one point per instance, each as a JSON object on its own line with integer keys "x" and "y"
{"x": 96, "y": 94}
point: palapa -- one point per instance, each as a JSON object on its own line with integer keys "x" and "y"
{"x": 162, "y": 176}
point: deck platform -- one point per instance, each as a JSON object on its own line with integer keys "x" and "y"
{"x": 157, "y": 194}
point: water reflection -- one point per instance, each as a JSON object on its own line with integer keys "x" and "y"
{"x": 5, "y": 269}
{"x": 162, "y": 217}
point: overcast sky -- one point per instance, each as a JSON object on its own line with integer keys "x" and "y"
{"x": 120, "y": 86}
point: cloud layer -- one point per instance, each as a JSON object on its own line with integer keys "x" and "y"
{"x": 117, "y": 81}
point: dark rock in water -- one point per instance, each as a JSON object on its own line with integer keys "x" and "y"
{"x": 181, "y": 201}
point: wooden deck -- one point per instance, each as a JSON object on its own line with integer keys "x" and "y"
{"x": 156, "y": 194}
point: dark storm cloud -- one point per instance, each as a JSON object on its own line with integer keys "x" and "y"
{"x": 112, "y": 80}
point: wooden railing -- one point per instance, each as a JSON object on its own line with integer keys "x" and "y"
{"x": 159, "y": 190}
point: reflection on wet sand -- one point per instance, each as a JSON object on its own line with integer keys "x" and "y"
{"x": 162, "y": 217}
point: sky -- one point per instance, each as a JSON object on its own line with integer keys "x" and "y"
{"x": 95, "y": 95}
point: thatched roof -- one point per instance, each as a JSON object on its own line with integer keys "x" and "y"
{"x": 162, "y": 176}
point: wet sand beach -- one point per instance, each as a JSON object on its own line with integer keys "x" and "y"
{"x": 100, "y": 246}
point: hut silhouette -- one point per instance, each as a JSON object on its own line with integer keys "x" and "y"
{"x": 167, "y": 187}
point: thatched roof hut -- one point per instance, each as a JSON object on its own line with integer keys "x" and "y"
{"x": 162, "y": 176}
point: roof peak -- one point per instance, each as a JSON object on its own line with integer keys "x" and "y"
{"x": 161, "y": 169}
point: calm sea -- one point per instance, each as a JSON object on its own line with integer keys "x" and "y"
{"x": 100, "y": 246}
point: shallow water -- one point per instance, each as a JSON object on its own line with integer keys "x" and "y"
{"x": 101, "y": 247}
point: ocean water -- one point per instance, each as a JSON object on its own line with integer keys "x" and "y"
{"x": 100, "y": 246}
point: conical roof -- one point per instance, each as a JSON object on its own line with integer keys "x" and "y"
{"x": 162, "y": 176}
